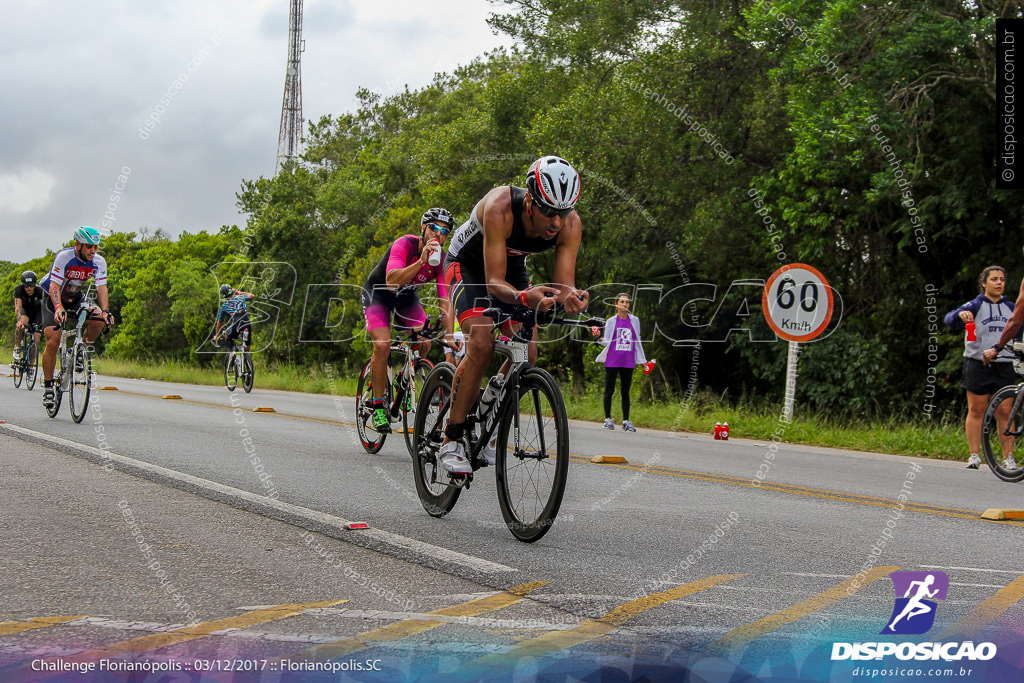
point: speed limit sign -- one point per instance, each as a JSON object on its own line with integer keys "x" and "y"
{"x": 797, "y": 302}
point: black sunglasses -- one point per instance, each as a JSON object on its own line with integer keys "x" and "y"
{"x": 550, "y": 212}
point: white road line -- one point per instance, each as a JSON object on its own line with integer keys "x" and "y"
{"x": 975, "y": 569}
{"x": 445, "y": 555}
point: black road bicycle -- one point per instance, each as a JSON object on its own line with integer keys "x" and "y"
{"x": 528, "y": 414}
{"x": 75, "y": 357}
{"x": 400, "y": 393}
{"x": 27, "y": 366}
{"x": 997, "y": 440}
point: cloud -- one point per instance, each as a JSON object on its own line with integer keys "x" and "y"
{"x": 22, "y": 192}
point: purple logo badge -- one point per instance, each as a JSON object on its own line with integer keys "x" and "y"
{"x": 916, "y": 593}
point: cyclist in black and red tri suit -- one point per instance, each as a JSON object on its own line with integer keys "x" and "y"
{"x": 28, "y": 308}
{"x": 391, "y": 288}
{"x": 72, "y": 268}
{"x": 487, "y": 268}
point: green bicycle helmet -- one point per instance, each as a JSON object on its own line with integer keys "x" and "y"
{"x": 87, "y": 235}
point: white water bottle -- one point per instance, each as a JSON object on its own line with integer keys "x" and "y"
{"x": 434, "y": 258}
{"x": 490, "y": 394}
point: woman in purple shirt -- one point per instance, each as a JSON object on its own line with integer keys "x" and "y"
{"x": 622, "y": 353}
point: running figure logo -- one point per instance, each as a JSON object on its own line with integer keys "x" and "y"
{"x": 914, "y": 613}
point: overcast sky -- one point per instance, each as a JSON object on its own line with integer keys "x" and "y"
{"x": 80, "y": 80}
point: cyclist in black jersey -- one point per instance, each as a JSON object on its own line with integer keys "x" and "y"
{"x": 28, "y": 308}
{"x": 486, "y": 268}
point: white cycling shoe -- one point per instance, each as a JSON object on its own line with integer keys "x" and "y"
{"x": 453, "y": 458}
{"x": 490, "y": 451}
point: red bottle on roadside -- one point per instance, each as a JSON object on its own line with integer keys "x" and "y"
{"x": 725, "y": 432}
{"x": 718, "y": 430}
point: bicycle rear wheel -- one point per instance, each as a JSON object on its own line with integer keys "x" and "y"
{"x": 433, "y": 484}
{"x": 996, "y": 444}
{"x": 421, "y": 371}
{"x": 81, "y": 382}
{"x": 371, "y": 439}
{"x": 230, "y": 371}
{"x": 32, "y": 366}
{"x": 532, "y": 470}
{"x": 249, "y": 375}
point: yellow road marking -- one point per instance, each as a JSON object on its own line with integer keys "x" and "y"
{"x": 738, "y": 637}
{"x": 10, "y": 627}
{"x": 591, "y": 628}
{"x": 988, "y": 610}
{"x": 411, "y": 627}
{"x": 181, "y": 635}
{"x": 801, "y": 490}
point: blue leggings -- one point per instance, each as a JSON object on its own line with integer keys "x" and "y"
{"x": 626, "y": 375}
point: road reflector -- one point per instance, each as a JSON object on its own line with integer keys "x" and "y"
{"x": 263, "y": 410}
{"x": 1002, "y": 513}
{"x": 172, "y": 396}
{"x": 352, "y": 526}
{"x": 108, "y": 388}
{"x": 608, "y": 459}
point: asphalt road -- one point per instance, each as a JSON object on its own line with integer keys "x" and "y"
{"x": 682, "y": 550}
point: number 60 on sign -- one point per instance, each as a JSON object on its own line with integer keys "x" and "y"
{"x": 797, "y": 302}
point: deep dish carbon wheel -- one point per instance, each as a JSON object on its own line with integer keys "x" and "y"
{"x": 230, "y": 371}
{"x": 371, "y": 439}
{"x": 433, "y": 484}
{"x": 81, "y": 382}
{"x": 532, "y": 456}
{"x": 421, "y": 371}
{"x": 32, "y": 365}
{"x": 996, "y": 443}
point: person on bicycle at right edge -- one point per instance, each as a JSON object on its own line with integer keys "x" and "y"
{"x": 233, "y": 316}
{"x": 487, "y": 268}
{"x": 72, "y": 267}
{"x": 391, "y": 288}
{"x": 28, "y": 305}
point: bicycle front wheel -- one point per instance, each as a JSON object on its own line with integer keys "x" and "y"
{"x": 81, "y": 384}
{"x": 371, "y": 439}
{"x": 230, "y": 371}
{"x": 32, "y": 366}
{"x": 531, "y": 470}
{"x": 18, "y": 367}
{"x": 437, "y": 493}
{"x": 249, "y": 375}
{"x": 421, "y": 371}
{"x": 996, "y": 443}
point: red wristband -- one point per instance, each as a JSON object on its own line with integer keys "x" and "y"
{"x": 522, "y": 297}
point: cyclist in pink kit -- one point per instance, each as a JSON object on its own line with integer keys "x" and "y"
{"x": 391, "y": 288}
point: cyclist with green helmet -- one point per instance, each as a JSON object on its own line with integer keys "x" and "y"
{"x": 72, "y": 268}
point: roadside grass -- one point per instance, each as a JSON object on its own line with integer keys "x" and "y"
{"x": 939, "y": 439}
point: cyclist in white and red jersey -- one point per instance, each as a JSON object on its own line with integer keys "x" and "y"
{"x": 487, "y": 268}
{"x": 391, "y": 288}
{"x": 72, "y": 268}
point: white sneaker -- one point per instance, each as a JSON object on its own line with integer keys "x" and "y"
{"x": 628, "y": 426}
{"x": 973, "y": 461}
{"x": 453, "y": 458}
{"x": 17, "y": 354}
{"x": 490, "y": 451}
{"x": 608, "y": 424}
{"x": 1010, "y": 463}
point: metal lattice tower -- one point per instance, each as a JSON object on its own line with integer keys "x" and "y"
{"x": 291, "y": 105}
